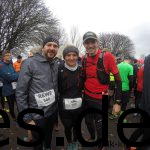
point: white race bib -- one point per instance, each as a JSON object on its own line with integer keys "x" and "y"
{"x": 73, "y": 103}
{"x": 45, "y": 98}
{"x": 1, "y": 84}
{"x": 14, "y": 85}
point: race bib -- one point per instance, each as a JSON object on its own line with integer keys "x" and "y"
{"x": 45, "y": 98}
{"x": 73, "y": 103}
{"x": 1, "y": 84}
{"x": 14, "y": 85}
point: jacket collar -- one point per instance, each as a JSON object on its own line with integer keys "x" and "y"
{"x": 41, "y": 58}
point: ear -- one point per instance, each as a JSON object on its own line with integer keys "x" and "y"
{"x": 97, "y": 43}
{"x": 84, "y": 44}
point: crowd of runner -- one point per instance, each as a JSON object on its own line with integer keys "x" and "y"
{"x": 66, "y": 87}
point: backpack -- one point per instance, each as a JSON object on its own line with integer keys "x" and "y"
{"x": 102, "y": 75}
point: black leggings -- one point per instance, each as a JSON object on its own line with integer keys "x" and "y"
{"x": 11, "y": 101}
{"x": 68, "y": 119}
{"x": 138, "y": 97}
{"x": 125, "y": 99}
{"x": 46, "y": 124}
{"x": 93, "y": 121}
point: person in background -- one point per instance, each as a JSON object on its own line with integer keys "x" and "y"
{"x": 139, "y": 88}
{"x": 145, "y": 101}
{"x": 30, "y": 54}
{"x": 34, "y": 50}
{"x": 134, "y": 88}
{"x": 119, "y": 60}
{"x": 126, "y": 73}
{"x": 143, "y": 133}
{"x": 17, "y": 64}
{"x": 2, "y": 100}
{"x": 111, "y": 91}
{"x": 8, "y": 76}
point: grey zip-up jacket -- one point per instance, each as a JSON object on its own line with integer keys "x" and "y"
{"x": 37, "y": 80}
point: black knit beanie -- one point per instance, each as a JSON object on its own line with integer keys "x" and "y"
{"x": 70, "y": 48}
{"x": 50, "y": 39}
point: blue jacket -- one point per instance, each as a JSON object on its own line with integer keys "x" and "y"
{"x": 8, "y": 75}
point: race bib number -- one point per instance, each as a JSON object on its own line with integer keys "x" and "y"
{"x": 71, "y": 104}
{"x": 1, "y": 84}
{"x": 45, "y": 98}
{"x": 14, "y": 85}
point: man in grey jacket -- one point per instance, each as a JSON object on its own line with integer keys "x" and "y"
{"x": 37, "y": 88}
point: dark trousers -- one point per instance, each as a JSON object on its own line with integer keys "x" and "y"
{"x": 46, "y": 124}
{"x": 125, "y": 99}
{"x": 56, "y": 121}
{"x": 110, "y": 99}
{"x": 138, "y": 96}
{"x": 11, "y": 101}
{"x": 68, "y": 119}
{"x": 92, "y": 120}
{"x": 2, "y": 100}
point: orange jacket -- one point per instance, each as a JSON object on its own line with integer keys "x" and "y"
{"x": 17, "y": 66}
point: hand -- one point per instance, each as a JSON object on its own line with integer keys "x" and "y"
{"x": 132, "y": 148}
{"x": 116, "y": 109}
{"x": 110, "y": 92}
{"x": 32, "y": 122}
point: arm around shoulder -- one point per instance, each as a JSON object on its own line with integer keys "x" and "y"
{"x": 23, "y": 83}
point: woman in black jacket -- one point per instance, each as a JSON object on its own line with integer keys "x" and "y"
{"x": 70, "y": 89}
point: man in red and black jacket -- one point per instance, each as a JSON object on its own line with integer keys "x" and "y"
{"x": 139, "y": 89}
{"x": 93, "y": 88}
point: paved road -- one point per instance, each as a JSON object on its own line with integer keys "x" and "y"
{"x": 114, "y": 142}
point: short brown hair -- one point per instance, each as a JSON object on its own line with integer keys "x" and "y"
{"x": 5, "y": 52}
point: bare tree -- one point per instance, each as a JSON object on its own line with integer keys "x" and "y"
{"x": 119, "y": 45}
{"x": 142, "y": 56}
{"x": 76, "y": 39}
{"x": 63, "y": 37}
{"x": 24, "y": 23}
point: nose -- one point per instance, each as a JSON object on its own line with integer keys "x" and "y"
{"x": 90, "y": 44}
{"x": 71, "y": 57}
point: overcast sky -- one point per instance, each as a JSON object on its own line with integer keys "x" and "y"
{"x": 128, "y": 17}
